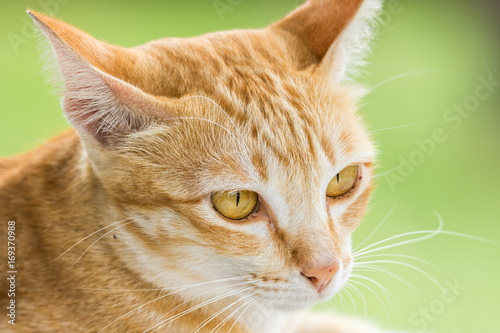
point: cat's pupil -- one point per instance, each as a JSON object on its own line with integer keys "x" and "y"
{"x": 237, "y": 198}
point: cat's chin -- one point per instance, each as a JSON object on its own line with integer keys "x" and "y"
{"x": 299, "y": 305}
{"x": 294, "y": 304}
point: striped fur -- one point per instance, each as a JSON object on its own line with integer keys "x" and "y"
{"x": 159, "y": 128}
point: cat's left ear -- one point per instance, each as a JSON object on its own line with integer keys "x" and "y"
{"x": 104, "y": 96}
{"x": 332, "y": 35}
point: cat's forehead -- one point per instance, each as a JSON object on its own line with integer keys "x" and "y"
{"x": 247, "y": 112}
{"x": 282, "y": 136}
{"x": 249, "y": 63}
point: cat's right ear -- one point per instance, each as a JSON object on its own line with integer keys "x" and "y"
{"x": 97, "y": 101}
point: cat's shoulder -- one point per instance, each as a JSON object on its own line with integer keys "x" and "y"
{"x": 64, "y": 143}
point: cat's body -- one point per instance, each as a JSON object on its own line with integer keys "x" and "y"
{"x": 161, "y": 129}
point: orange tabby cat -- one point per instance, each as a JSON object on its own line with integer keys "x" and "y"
{"x": 212, "y": 183}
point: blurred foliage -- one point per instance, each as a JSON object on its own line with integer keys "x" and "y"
{"x": 429, "y": 57}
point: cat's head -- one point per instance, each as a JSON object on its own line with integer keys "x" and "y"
{"x": 236, "y": 156}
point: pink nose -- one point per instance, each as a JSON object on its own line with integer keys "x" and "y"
{"x": 320, "y": 276}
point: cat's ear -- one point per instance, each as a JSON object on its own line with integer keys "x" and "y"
{"x": 332, "y": 33}
{"x": 96, "y": 100}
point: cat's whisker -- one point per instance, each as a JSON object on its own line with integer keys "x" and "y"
{"x": 404, "y": 264}
{"x": 341, "y": 299}
{"x": 242, "y": 313}
{"x": 386, "y": 292}
{"x": 217, "y": 313}
{"x": 83, "y": 239}
{"x": 101, "y": 237}
{"x": 399, "y": 256}
{"x": 211, "y": 317}
{"x": 377, "y": 228}
{"x": 175, "y": 317}
{"x": 222, "y": 323}
{"x": 166, "y": 295}
{"x": 393, "y": 127}
{"x": 428, "y": 234}
{"x": 167, "y": 321}
{"x": 401, "y": 76}
{"x": 374, "y": 268}
{"x": 238, "y": 129}
{"x": 376, "y": 295}
{"x": 170, "y": 288}
{"x": 259, "y": 308}
{"x": 361, "y": 296}
{"x": 214, "y": 123}
{"x": 350, "y": 296}
{"x": 189, "y": 300}
{"x": 385, "y": 173}
{"x": 222, "y": 110}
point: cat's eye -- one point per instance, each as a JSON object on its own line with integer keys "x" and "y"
{"x": 343, "y": 182}
{"x": 235, "y": 205}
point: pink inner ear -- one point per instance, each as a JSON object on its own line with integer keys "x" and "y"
{"x": 135, "y": 98}
{"x": 73, "y": 107}
{"x": 96, "y": 102}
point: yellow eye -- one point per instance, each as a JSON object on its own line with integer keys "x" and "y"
{"x": 235, "y": 205}
{"x": 343, "y": 182}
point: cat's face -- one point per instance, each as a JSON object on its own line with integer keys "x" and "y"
{"x": 246, "y": 112}
{"x": 284, "y": 148}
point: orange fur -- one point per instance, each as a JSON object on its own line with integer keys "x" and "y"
{"x": 159, "y": 128}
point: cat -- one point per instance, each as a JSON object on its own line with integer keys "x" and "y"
{"x": 209, "y": 184}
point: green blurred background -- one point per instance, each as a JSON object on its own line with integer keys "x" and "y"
{"x": 434, "y": 51}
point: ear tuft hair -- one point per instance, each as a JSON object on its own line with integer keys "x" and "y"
{"x": 354, "y": 43}
{"x": 96, "y": 103}
{"x": 335, "y": 33}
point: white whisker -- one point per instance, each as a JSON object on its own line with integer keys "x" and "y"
{"x": 158, "y": 298}
{"x": 361, "y": 296}
{"x": 177, "y": 316}
{"x": 259, "y": 308}
{"x": 350, "y": 296}
{"x": 209, "y": 319}
{"x": 221, "y": 324}
{"x": 391, "y": 128}
{"x": 341, "y": 298}
{"x": 95, "y": 232}
{"x": 377, "y": 228}
{"x": 388, "y": 272}
{"x": 407, "y": 265}
{"x": 428, "y": 234}
{"x": 98, "y": 239}
{"x": 386, "y": 292}
{"x": 398, "y": 255}
{"x": 169, "y": 288}
{"x": 400, "y": 76}
{"x": 241, "y": 314}
{"x": 211, "y": 122}
{"x": 376, "y": 295}
{"x": 223, "y": 111}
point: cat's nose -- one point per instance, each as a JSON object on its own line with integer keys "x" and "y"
{"x": 320, "y": 276}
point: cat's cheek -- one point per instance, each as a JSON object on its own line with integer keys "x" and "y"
{"x": 349, "y": 211}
